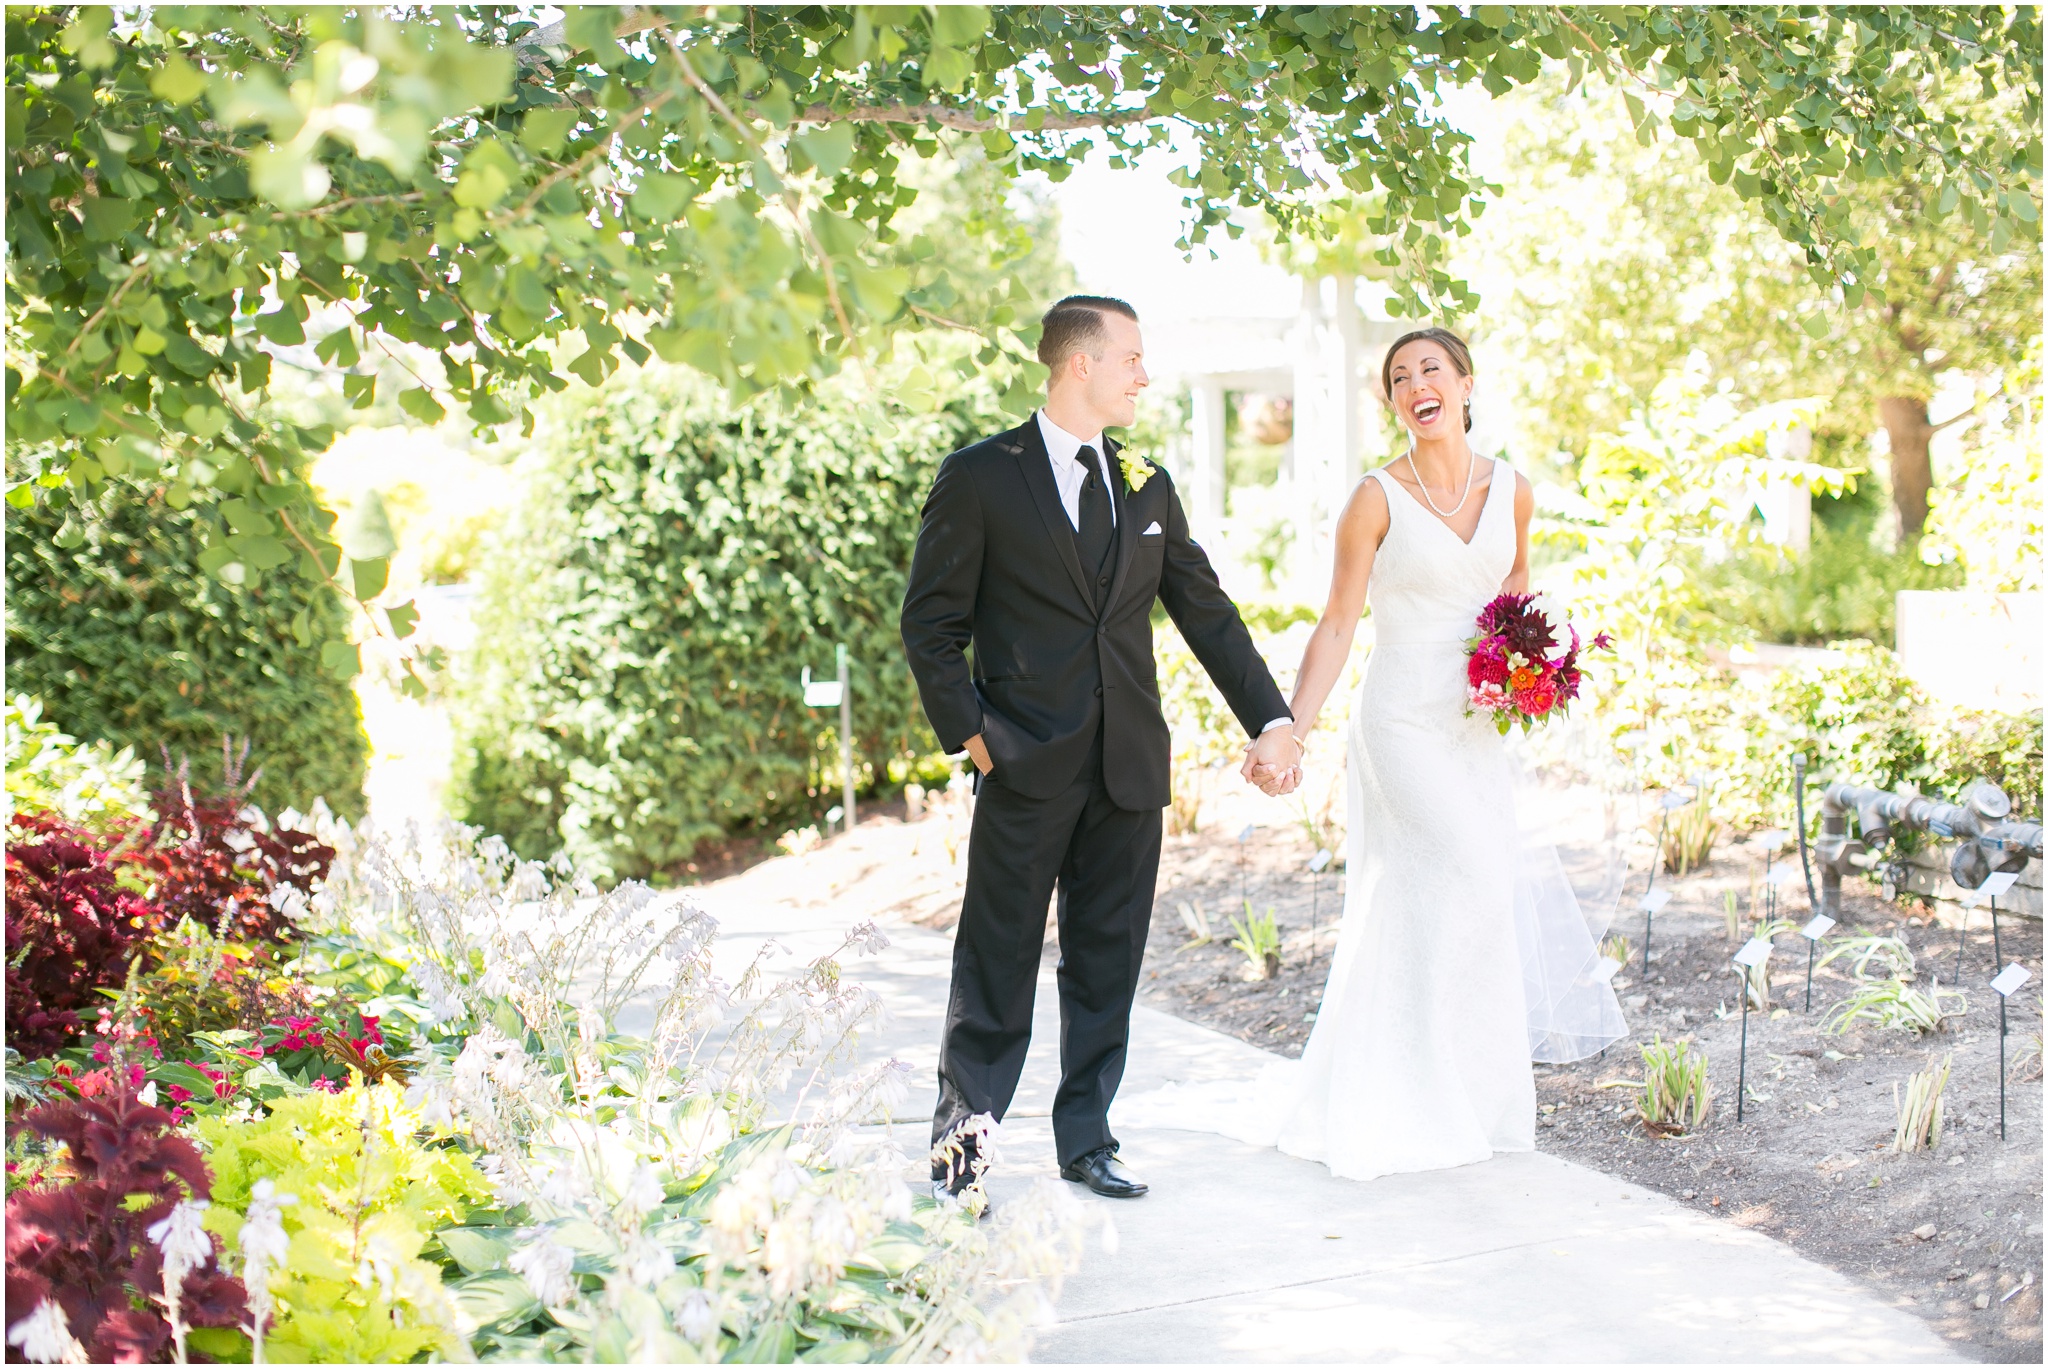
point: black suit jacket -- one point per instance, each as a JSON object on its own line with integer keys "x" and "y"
{"x": 996, "y": 567}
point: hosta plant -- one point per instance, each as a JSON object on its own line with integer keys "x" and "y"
{"x": 698, "y": 1192}
{"x": 105, "y": 1260}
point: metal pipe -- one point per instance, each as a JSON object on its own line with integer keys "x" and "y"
{"x": 1799, "y": 805}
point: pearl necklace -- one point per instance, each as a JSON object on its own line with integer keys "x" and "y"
{"x": 1471, "y": 468}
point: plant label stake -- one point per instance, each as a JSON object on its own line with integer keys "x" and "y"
{"x": 1753, "y": 953}
{"x": 2009, "y": 979}
{"x": 1653, "y": 897}
{"x": 1243, "y": 890}
{"x": 1317, "y": 863}
{"x": 1773, "y": 841}
{"x": 1813, "y": 932}
{"x": 1653, "y": 903}
{"x": 837, "y": 693}
{"x": 1994, "y": 885}
{"x": 1989, "y": 890}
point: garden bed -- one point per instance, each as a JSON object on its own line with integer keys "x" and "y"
{"x": 1808, "y": 1164}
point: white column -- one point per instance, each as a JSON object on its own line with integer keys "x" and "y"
{"x": 1205, "y": 504}
{"x": 1787, "y": 508}
{"x": 1313, "y": 433}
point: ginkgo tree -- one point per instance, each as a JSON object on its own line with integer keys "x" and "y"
{"x": 506, "y": 206}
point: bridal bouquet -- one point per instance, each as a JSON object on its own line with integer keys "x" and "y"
{"x": 1509, "y": 669}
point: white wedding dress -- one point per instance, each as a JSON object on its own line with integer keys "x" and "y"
{"x": 1463, "y": 953}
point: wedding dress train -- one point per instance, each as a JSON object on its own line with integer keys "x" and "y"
{"x": 1463, "y": 953}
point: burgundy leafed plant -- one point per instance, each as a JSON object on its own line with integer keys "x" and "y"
{"x": 212, "y": 860}
{"x": 84, "y": 1245}
{"x": 71, "y": 929}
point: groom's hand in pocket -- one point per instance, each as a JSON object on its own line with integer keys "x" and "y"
{"x": 977, "y": 751}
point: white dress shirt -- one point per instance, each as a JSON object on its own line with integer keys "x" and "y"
{"x": 1064, "y": 450}
{"x": 1068, "y": 471}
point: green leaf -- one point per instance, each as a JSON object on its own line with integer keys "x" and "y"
{"x": 281, "y": 326}
{"x": 106, "y": 219}
{"x": 404, "y": 618}
{"x": 365, "y": 530}
{"x": 260, "y": 553}
{"x": 543, "y": 131}
{"x": 341, "y": 659}
{"x": 368, "y": 577}
{"x": 959, "y": 25}
{"x": 178, "y": 81}
{"x": 338, "y": 348}
{"x": 829, "y": 148}
{"x": 946, "y": 69}
{"x": 421, "y": 405}
{"x": 476, "y": 1249}
{"x": 288, "y": 177}
{"x": 1816, "y": 325}
{"x": 663, "y": 196}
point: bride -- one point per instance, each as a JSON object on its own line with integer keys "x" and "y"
{"x": 1462, "y": 954}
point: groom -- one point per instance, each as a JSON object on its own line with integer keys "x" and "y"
{"x": 1043, "y": 548}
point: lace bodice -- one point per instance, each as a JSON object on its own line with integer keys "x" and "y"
{"x": 1427, "y": 584}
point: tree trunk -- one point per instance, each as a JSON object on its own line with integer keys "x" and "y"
{"x": 1905, "y": 420}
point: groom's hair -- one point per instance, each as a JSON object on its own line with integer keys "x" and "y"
{"x": 1075, "y": 325}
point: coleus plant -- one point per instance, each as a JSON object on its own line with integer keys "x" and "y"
{"x": 82, "y": 1260}
{"x": 71, "y": 928}
{"x": 220, "y": 862}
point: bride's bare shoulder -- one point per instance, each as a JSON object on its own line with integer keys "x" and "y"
{"x": 1367, "y": 509}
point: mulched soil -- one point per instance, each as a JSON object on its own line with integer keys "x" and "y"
{"x": 1935, "y": 1232}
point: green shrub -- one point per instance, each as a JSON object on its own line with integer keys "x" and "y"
{"x": 1842, "y": 587}
{"x": 88, "y": 783}
{"x": 675, "y": 561}
{"x": 125, "y": 640}
{"x": 1858, "y": 719}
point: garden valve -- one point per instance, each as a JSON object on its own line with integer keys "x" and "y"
{"x": 1977, "y": 823}
{"x": 2004, "y": 846}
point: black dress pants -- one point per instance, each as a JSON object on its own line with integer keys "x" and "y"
{"x": 1104, "y": 862}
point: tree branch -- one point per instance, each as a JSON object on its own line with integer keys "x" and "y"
{"x": 789, "y": 200}
{"x": 968, "y": 121}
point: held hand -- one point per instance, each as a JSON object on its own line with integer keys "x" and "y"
{"x": 1273, "y": 762}
{"x": 977, "y": 751}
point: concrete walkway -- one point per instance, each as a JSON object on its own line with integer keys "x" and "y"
{"x": 1242, "y": 1254}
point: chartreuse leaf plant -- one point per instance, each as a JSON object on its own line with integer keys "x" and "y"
{"x": 356, "y": 1284}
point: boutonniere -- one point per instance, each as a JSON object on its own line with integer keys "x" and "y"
{"x": 1137, "y": 470}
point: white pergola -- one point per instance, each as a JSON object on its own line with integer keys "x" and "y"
{"x": 1325, "y": 358}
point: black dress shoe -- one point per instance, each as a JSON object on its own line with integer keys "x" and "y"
{"x": 947, "y": 1196}
{"x": 1104, "y": 1174}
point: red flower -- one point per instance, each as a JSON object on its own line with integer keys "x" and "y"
{"x": 1487, "y": 665}
{"x": 1538, "y": 699}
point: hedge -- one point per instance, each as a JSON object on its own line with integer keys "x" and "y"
{"x": 674, "y": 561}
{"x": 125, "y": 640}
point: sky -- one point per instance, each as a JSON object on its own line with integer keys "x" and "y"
{"x": 1118, "y": 229}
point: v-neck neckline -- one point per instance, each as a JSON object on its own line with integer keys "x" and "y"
{"x": 1485, "y": 507}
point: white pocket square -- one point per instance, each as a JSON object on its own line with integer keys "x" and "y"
{"x": 1152, "y": 531}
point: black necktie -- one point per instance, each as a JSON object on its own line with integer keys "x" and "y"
{"x": 1097, "y": 531}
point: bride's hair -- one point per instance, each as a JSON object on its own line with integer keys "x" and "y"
{"x": 1461, "y": 357}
